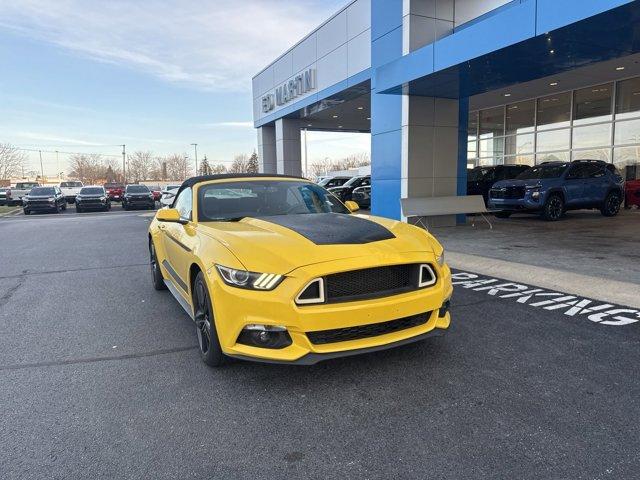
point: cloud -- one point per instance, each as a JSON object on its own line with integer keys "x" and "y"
{"x": 54, "y": 138}
{"x": 215, "y": 45}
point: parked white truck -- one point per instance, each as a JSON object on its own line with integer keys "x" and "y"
{"x": 13, "y": 195}
{"x": 70, "y": 190}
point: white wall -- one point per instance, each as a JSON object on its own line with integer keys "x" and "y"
{"x": 338, "y": 49}
{"x": 466, "y": 10}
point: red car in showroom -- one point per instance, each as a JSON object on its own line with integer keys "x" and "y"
{"x": 632, "y": 193}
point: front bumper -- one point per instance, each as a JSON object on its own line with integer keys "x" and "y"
{"x": 516, "y": 204}
{"x": 237, "y": 308}
{"x": 40, "y": 207}
{"x": 92, "y": 204}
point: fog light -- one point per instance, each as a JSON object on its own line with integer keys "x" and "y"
{"x": 444, "y": 309}
{"x": 265, "y": 336}
{"x": 535, "y": 195}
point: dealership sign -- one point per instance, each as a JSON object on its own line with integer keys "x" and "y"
{"x": 294, "y": 87}
{"x": 570, "y": 305}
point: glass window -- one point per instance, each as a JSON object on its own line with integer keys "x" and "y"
{"x": 489, "y": 162}
{"x": 553, "y": 157}
{"x": 472, "y": 150}
{"x": 520, "y": 117}
{"x": 553, "y": 140}
{"x": 592, "y": 136}
{"x": 42, "y": 191}
{"x": 554, "y": 111}
{"x": 472, "y": 126}
{"x": 628, "y": 98}
{"x": 592, "y": 104}
{"x": 137, "y": 189}
{"x": 491, "y": 147}
{"x": 517, "y": 144}
{"x": 492, "y": 122}
{"x": 92, "y": 191}
{"x": 627, "y": 132}
{"x": 519, "y": 160}
{"x": 627, "y": 161}
{"x": 543, "y": 171}
{"x": 595, "y": 154}
{"x": 184, "y": 203}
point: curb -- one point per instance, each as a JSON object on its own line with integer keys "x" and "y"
{"x": 11, "y": 213}
{"x": 597, "y": 288}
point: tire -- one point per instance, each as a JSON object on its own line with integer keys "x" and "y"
{"x": 26, "y": 212}
{"x": 611, "y": 205}
{"x": 156, "y": 274}
{"x": 78, "y": 209}
{"x": 126, "y": 207}
{"x": 553, "y": 208}
{"x": 502, "y": 214}
{"x": 209, "y": 345}
{"x": 64, "y": 206}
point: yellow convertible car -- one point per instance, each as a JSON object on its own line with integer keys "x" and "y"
{"x": 276, "y": 269}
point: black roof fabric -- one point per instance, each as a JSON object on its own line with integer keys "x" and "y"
{"x": 190, "y": 182}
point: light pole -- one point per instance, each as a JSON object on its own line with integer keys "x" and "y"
{"x": 41, "y": 167}
{"x": 124, "y": 164}
{"x": 195, "y": 148}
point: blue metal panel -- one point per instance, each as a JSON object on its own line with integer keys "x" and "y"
{"x": 386, "y": 15}
{"x": 387, "y": 150}
{"x": 386, "y": 48}
{"x": 336, "y": 89}
{"x": 511, "y": 25}
{"x": 463, "y": 119}
{"x": 386, "y": 112}
{"x": 385, "y": 198}
{"x": 553, "y": 14}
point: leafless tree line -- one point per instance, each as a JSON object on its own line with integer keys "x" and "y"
{"x": 12, "y": 161}
{"x": 318, "y": 168}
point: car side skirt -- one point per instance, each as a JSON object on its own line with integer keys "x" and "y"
{"x": 181, "y": 300}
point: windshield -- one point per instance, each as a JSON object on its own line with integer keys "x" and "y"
{"x": 70, "y": 184}
{"x": 137, "y": 189}
{"x": 478, "y": 174}
{"x": 355, "y": 181}
{"x": 113, "y": 185}
{"x": 42, "y": 191}
{"x": 262, "y": 198}
{"x": 543, "y": 171}
{"x": 92, "y": 191}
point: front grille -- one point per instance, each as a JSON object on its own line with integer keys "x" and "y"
{"x": 39, "y": 203}
{"x": 371, "y": 282}
{"x": 366, "y": 331}
{"x": 508, "y": 192}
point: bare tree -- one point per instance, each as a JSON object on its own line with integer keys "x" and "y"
{"x": 240, "y": 164}
{"x": 218, "y": 168}
{"x": 87, "y": 168}
{"x": 178, "y": 166}
{"x": 140, "y": 166}
{"x": 321, "y": 167}
{"x": 158, "y": 169}
{"x": 12, "y": 161}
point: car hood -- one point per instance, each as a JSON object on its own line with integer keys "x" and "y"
{"x": 516, "y": 183}
{"x": 283, "y": 243}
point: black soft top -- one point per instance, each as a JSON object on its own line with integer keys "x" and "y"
{"x": 190, "y": 182}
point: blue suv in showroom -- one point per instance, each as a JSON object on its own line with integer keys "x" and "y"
{"x": 552, "y": 188}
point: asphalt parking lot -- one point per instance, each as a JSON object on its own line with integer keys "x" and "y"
{"x": 100, "y": 378}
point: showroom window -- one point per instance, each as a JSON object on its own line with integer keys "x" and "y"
{"x": 592, "y": 104}
{"x": 565, "y": 126}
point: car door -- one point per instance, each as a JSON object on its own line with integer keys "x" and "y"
{"x": 596, "y": 184}
{"x": 179, "y": 241}
{"x": 574, "y": 185}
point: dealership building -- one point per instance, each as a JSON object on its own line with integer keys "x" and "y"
{"x": 447, "y": 85}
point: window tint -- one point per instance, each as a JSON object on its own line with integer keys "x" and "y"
{"x": 586, "y": 170}
{"x": 183, "y": 203}
{"x": 628, "y": 98}
{"x": 543, "y": 171}
{"x": 91, "y": 191}
{"x": 43, "y": 191}
{"x": 592, "y": 104}
{"x": 520, "y": 117}
{"x": 554, "y": 111}
{"x": 137, "y": 189}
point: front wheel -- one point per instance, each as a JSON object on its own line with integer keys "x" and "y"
{"x": 611, "y": 205}
{"x": 78, "y": 209}
{"x": 64, "y": 206}
{"x": 553, "y": 209}
{"x": 210, "y": 350}
{"x": 26, "y": 211}
{"x": 156, "y": 274}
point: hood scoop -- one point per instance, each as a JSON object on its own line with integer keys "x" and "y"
{"x": 332, "y": 228}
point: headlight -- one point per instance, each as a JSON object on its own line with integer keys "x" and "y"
{"x": 440, "y": 259}
{"x": 249, "y": 280}
{"x": 52, "y": 200}
{"x": 103, "y": 199}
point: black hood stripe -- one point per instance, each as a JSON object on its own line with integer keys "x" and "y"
{"x": 333, "y": 228}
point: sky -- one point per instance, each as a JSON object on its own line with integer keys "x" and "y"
{"x": 87, "y": 75}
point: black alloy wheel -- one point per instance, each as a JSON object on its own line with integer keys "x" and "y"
{"x": 611, "y": 206}
{"x": 554, "y": 208}
{"x": 156, "y": 274}
{"x": 210, "y": 350}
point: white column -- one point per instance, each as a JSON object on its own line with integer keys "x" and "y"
{"x": 288, "y": 147}
{"x": 267, "y": 149}
{"x": 430, "y": 150}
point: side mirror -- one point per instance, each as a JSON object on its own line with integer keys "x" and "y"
{"x": 170, "y": 215}
{"x": 352, "y": 206}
